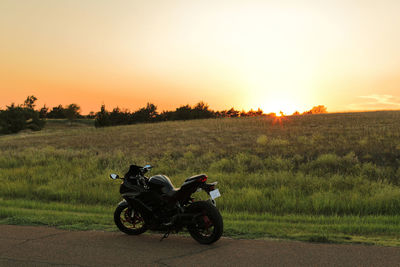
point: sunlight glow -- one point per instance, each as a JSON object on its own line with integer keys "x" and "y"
{"x": 280, "y": 105}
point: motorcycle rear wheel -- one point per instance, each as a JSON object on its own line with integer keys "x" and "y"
{"x": 129, "y": 220}
{"x": 209, "y": 225}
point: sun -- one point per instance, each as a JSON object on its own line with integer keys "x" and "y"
{"x": 280, "y": 107}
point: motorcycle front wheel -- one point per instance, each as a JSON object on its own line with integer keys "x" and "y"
{"x": 129, "y": 220}
{"x": 208, "y": 226}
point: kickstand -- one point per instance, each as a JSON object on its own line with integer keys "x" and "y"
{"x": 164, "y": 236}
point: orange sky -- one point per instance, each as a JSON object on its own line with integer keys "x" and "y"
{"x": 277, "y": 55}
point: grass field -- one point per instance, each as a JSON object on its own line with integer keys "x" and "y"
{"x": 323, "y": 178}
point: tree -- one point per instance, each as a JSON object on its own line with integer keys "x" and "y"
{"x": 151, "y": 111}
{"x": 43, "y": 111}
{"x": 232, "y": 113}
{"x": 102, "y": 118}
{"x": 30, "y": 102}
{"x": 12, "y": 120}
{"x": 147, "y": 114}
{"x": 317, "y": 110}
{"x": 183, "y": 113}
{"x": 243, "y": 113}
{"x": 119, "y": 117}
{"x": 165, "y": 116}
{"x": 17, "y": 118}
{"x": 201, "y": 111}
{"x": 251, "y": 113}
{"x": 33, "y": 120}
{"x": 71, "y": 112}
{"x": 57, "y": 113}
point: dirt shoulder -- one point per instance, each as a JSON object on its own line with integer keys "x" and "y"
{"x": 44, "y": 246}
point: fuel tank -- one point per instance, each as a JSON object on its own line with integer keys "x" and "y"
{"x": 161, "y": 184}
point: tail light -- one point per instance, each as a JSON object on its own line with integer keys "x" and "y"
{"x": 203, "y": 179}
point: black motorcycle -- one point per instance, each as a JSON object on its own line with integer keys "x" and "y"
{"x": 155, "y": 204}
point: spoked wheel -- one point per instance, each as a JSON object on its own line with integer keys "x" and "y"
{"x": 208, "y": 224}
{"x": 129, "y": 220}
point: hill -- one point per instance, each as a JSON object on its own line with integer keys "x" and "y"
{"x": 328, "y": 177}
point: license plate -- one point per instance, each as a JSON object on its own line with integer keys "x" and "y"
{"x": 214, "y": 194}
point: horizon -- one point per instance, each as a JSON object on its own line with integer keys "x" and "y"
{"x": 159, "y": 111}
{"x": 287, "y": 56}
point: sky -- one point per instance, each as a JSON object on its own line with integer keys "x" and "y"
{"x": 274, "y": 55}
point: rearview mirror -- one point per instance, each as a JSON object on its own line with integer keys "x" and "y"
{"x": 114, "y": 176}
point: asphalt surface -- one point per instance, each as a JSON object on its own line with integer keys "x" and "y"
{"x": 43, "y": 246}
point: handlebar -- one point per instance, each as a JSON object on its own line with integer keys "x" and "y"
{"x": 134, "y": 171}
{"x": 146, "y": 168}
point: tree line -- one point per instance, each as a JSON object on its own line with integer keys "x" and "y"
{"x": 19, "y": 117}
{"x": 70, "y": 112}
{"x": 201, "y": 110}
{"x": 149, "y": 113}
{"x": 16, "y": 118}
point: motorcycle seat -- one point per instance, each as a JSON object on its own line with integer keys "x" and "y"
{"x": 173, "y": 190}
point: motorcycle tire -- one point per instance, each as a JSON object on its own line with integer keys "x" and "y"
{"x": 210, "y": 217}
{"x": 127, "y": 220}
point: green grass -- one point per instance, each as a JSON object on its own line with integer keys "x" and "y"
{"x": 319, "y": 178}
{"x": 377, "y": 230}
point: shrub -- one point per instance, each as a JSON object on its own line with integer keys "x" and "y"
{"x": 102, "y": 118}
{"x": 332, "y": 163}
{"x": 245, "y": 163}
{"x": 223, "y": 165}
{"x": 72, "y": 112}
{"x": 18, "y": 118}
{"x": 279, "y": 142}
{"x": 12, "y": 120}
{"x": 262, "y": 140}
{"x": 278, "y": 164}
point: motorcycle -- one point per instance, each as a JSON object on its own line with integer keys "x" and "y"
{"x": 155, "y": 204}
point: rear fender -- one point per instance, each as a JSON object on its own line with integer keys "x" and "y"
{"x": 208, "y": 187}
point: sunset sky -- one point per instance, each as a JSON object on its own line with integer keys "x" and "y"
{"x": 276, "y": 55}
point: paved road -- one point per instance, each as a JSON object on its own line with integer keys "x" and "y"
{"x": 43, "y": 246}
